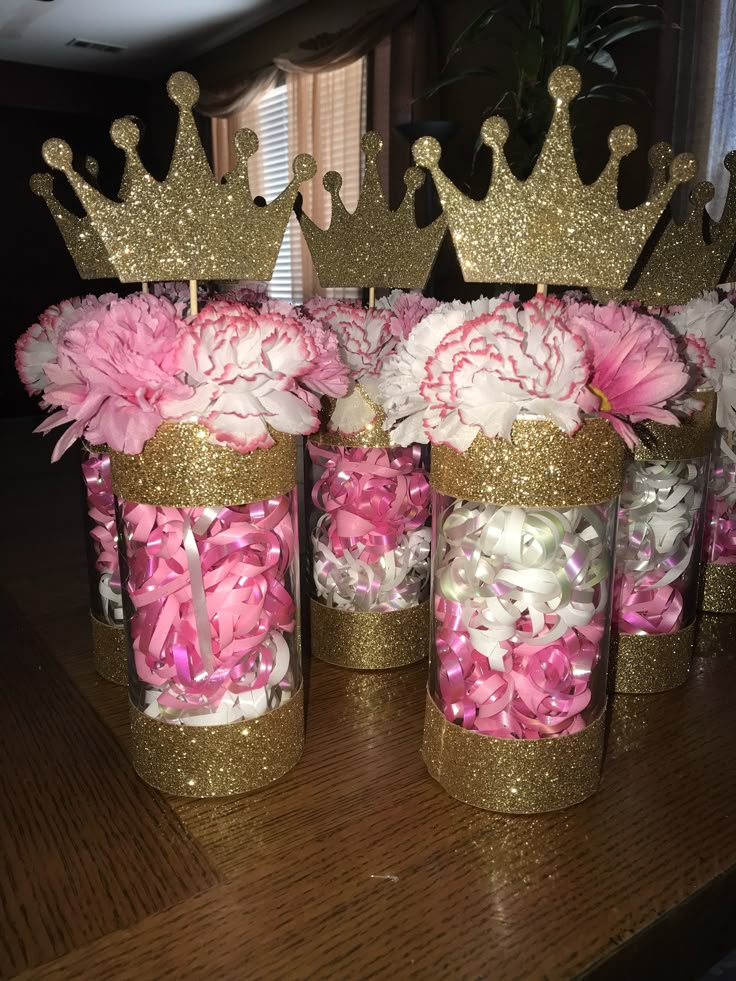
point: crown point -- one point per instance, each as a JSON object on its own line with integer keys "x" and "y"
{"x": 413, "y": 179}
{"x": 246, "y": 143}
{"x": 495, "y": 131}
{"x": 684, "y": 168}
{"x": 183, "y": 90}
{"x": 57, "y": 154}
{"x": 41, "y": 184}
{"x": 564, "y": 84}
{"x": 659, "y": 155}
{"x": 332, "y": 182}
{"x": 304, "y": 167}
{"x": 729, "y": 161}
{"x": 622, "y": 141}
{"x": 701, "y": 194}
{"x": 371, "y": 144}
{"x": 125, "y": 134}
{"x": 426, "y": 151}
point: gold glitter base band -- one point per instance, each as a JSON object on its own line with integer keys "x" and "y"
{"x": 541, "y": 467}
{"x": 180, "y": 468}
{"x": 692, "y": 438}
{"x": 110, "y": 651}
{"x": 646, "y": 663}
{"x": 218, "y": 761}
{"x": 371, "y": 436}
{"x": 515, "y": 776}
{"x": 718, "y": 585}
{"x": 370, "y": 641}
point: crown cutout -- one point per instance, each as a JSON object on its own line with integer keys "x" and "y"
{"x": 373, "y": 246}
{"x": 550, "y": 228}
{"x": 685, "y": 259}
{"x": 188, "y": 226}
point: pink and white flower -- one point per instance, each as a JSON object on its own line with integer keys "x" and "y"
{"x": 117, "y": 366}
{"x": 459, "y": 373}
{"x": 36, "y": 348}
{"x": 250, "y": 370}
{"x": 636, "y": 369}
{"x": 407, "y": 309}
{"x": 706, "y": 329}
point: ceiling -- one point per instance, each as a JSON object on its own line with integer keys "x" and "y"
{"x": 155, "y": 35}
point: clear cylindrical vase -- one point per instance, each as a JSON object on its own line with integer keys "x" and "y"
{"x": 718, "y": 594}
{"x": 109, "y": 647}
{"x": 660, "y": 534}
{"x": 210, "y": 571}
{"x": 523, "y": 549}
{"x": 369, "y": 549}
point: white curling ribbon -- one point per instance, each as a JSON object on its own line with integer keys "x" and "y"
{"x": 505, "y": 564}
{"x": 112, "y": 599}
{"x": 395, "y": 581}
{"x": 659, "y": 505}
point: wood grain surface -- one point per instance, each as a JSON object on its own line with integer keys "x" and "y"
{"x": 357, "y": 865}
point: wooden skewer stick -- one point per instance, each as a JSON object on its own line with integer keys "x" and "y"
{"x": 372, "y": 297}
{"x": 542, "y": 288}
{"x": 193, "y": 305}
{"x": 144, "y": 287}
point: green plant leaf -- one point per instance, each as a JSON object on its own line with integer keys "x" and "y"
{"x": 625, "y": 28}
{"x": 475, "y": 28}
{"x": 570, "y": 16}
{"x": 481, "y": 72}
{"x": 603, "y": 59}
{"x": 614, "y": 92}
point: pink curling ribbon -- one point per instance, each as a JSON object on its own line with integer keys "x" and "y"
{"x": 101, "y": 509}
{"x": 719, "y": 544}
{"x": 210, "y": 589}
{"x": 370, "y": 544}
{"x": 658, "y": 522}
{"x": 521, "y": 604}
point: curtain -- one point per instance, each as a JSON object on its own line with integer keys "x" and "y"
{"x": 227, "y": 86}
{"x": 326, "y": 119}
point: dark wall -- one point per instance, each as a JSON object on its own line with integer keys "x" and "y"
{"x": 35, "y": 104}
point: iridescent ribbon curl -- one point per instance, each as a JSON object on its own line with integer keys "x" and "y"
{"x": 210, "y": 588}
{"x": 104, "y": 535}
{"x": 658, "y": 514}
{"x": 719, "y": 545}
{"x": 521, "y": 598}
{"x": 370, "y": 545}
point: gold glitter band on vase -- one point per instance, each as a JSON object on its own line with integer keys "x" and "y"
{"x": 369, "y": 437}
{"x": 540, "y": 467}
{"x": 691, "y": 439}
{"x": 514, "y": 776}
{"x": 646, "y": 663}
{"x": 718, "y": 586}
{"x": 370, "y": 641}
{"x": 110, "y": 651}
{"x": 180, "y": 468}
{"x": 218, "y": 761}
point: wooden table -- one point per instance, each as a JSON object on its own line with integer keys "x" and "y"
{"x": 356, "y": 865}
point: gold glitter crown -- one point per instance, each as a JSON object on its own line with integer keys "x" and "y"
{"x": 550, "y": 228}
{"x": 188, "y": 226}
{"x": 685, "y": 259}
{"x": 373, "y": 246}
{"x": 84, "y": 244}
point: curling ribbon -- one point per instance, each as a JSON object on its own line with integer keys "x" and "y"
{"x": 659, "y": 507}
{"x": 210, "y": 588}
{"x": 521, "y": 599}
{"x": 101, "y": 510}
{"x": 719, "y": 546}
{"x": 370, "y": 544}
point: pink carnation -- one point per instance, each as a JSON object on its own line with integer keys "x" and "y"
{"x": 250, "y": 370}
{"x": 117, "y": 366}
{"x": 36, "y": 348}
{"x": 408, "y": 310}
{"x": 636, "y": 367}
{"x": 253, "y": 295}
